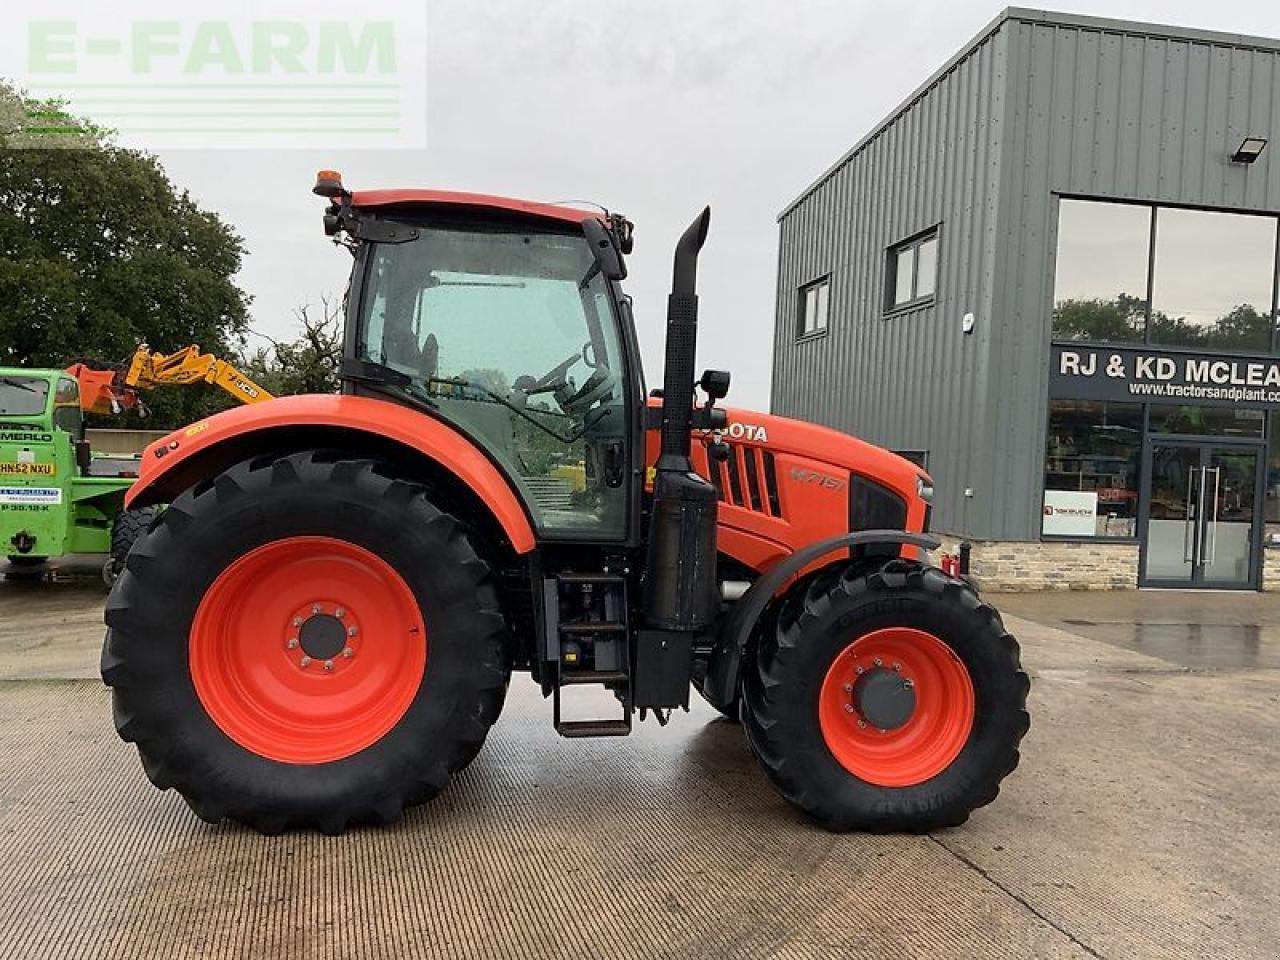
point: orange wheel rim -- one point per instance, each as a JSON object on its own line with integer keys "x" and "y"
{"x": 307, "y": 650}
{"x": 937, "y": 721}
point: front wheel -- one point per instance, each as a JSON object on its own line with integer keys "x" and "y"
{"x": 890, "y": 701}
{"x": 305, "y": 642}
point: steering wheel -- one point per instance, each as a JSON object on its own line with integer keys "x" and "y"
{"x": 598, "y": 386}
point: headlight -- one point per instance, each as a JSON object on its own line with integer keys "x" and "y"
{"x": 924, "y": 488}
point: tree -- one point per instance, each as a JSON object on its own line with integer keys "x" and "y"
{"x": 100, "y": 252}
{"x": 308, "y": 364}
{"x": 1118, "y": 320}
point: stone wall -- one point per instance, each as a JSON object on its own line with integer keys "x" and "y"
{"x": 1051, "y": 565}
{"x": 1271, "y": 568}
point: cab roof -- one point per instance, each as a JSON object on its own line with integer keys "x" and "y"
{"x": 483, "y": 201}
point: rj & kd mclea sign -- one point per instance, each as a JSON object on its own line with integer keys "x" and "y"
{"x": 1137, "y": 375}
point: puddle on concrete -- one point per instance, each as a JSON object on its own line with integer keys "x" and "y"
{"x": 1192, "y": 645}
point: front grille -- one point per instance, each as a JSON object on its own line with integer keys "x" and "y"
{"x": 748, "y": 479}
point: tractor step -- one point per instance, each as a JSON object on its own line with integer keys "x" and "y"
{"x": 588, "y": 643}
{"x": 593, "y": 728}
{"x": 571, "y": 677}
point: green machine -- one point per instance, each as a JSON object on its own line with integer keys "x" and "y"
{"x": 56, "y": 498}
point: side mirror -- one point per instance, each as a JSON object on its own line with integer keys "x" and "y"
{"x": 715, "y": 384}
{"x": 605, "y": 249}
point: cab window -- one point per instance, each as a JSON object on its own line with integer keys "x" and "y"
{"x": 23, "y": 396}
{"x": 67, "y": 414}
{"x": 512, "y": 336}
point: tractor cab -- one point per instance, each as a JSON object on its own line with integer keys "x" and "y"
{"x": 509, "y": 329}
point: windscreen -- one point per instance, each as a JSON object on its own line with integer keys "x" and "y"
{"x": 23, "y": 396}
{"x": 512, "y": 335}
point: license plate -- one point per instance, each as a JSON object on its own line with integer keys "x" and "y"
{"x": 29, "y": 469}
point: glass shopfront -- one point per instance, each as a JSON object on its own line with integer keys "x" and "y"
{"x": 1164, "y": 412}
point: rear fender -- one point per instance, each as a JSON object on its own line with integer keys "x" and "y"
{"x": 373, "y": 427}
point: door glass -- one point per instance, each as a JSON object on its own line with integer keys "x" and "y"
{"x": 1230, "y": 499}
{"x": 512, "y": 336}
{"x": 1171, "y": 533}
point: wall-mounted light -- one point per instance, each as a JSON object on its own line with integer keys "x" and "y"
{"x": 1249, "y": 150}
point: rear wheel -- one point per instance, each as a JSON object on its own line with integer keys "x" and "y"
{"x": 305, "y": 642}
{"x": 888, "y": 701}
{"x": 128, "y": 526}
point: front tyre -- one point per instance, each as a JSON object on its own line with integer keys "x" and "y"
{"x": 890, "y": 701}
{"x": 304, "y": 642}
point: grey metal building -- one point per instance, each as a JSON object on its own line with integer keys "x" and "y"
{"x": 1051, "y": 276}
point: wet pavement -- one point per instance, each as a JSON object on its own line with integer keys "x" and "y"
{"x": 1143, "y": 822}
{"x": 1196, "y": 630}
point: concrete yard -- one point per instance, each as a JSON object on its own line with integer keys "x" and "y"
{"x": 1143, "y": 822}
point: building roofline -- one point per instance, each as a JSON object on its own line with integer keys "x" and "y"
{"x": 1026, "y": 15}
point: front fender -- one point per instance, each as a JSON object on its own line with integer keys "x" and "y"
{"x": 721, "y": 684}
{"x": 169, "y": 464}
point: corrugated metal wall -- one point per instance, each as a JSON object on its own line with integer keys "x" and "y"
{"x": 911, "y": 380}
{"x": 1041, "y": 105}
{"x": 1109, "y": 111}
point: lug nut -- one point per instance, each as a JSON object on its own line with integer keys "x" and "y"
{"x": 305, "y": 661}
{"x": 858, "y": 670}
{"x": 908, "y": 683}
{"x": 848, "y": 688}
{"x": 315, "y": 608}
{"x": 352, "y": 631}
{"x": 897, "y": 667}
{"x": 862, "y": 724}
{"x": 340, "y": 613}
{"x": 297, "y": 621}
{"x": 293, "y": 643}
{"x": 328, "y": 664}
{"x": 848, "y": 708}
{"x": 348, "y": 652}
{"x": 879, "y": 662}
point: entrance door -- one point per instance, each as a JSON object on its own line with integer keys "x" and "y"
{"x": 1201, "y": 520}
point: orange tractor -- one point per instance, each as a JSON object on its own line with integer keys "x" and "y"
{"x": 320, "y": 628}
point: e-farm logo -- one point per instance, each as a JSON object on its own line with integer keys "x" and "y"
{"x": 285, "y": 74}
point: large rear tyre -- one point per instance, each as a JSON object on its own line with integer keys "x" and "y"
{"x": 889, "y": 701}
{"x": 127, "y": 528}
{"x": 305, "y": 642}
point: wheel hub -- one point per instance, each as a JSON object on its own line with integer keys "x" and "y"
{"x": 896, "y": 706}
{"x": 307, "y": 649}
{"x": 322, "y": 636}
{"x": 883, "y": 698}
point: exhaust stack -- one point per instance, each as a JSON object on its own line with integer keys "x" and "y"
{"x": 680, "y": 590}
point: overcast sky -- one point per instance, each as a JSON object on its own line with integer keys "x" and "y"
{"x": 652, "y": 108}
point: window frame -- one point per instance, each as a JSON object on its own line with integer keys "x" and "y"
{"x": 1153, "y": 209}
{"x": 892, "y": 257}
{"x": 802, "y": 299}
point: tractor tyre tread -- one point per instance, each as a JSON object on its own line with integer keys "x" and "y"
{"x": 780, "y": 712}
{"x": 153, "y": 602}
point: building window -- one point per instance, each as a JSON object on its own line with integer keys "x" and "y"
{"x": 814, "y": 300}
{"x": 1208, "y": 280}
{"x": 1214, "y": 275}
{"x": 1091, "y": 469}
{"x": 913, "y": 271}
{"x": 1100, "y": 286}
